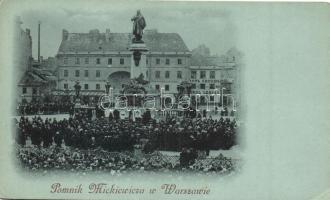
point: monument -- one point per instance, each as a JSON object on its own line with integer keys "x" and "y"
{"x": 138, "y": 47}
{"x": 138, "y": 64}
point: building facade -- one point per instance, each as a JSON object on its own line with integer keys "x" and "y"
{"x": 35, "y": 85}
{"x": 211, "y": 82}
{"x": 23, "y": 55}
{"x": 22, "y": 50}
{"x": 95, "y": 58}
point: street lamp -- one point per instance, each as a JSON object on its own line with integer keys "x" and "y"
{"x": 67, "y": 94}
{"x": 222, "y": 106}
{"x": 77, "y": 88}
{"x": 107, "y": 87}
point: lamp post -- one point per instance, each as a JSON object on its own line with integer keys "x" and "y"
{"x": 107, "y": 87}
{"x": 67, "y": 96}
{"x": 77, "y": 88}
{"x": 222, "y": 94}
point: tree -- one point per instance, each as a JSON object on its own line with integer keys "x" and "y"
{"x": 201, "y": 50}
{"x": 200, "y": 55}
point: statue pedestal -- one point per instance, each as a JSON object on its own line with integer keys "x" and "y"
{"x": 77, "y": 103}
{"x": 138, "y": 60}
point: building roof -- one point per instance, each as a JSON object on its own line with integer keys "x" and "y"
{"x": 34, "y": 77}
{"x": 95, "y": 41}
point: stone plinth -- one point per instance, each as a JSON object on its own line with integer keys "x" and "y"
{"x": 77, "y": 104}
{"x": 138, "y": 60}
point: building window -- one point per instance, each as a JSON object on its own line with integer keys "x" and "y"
{"x": 157, "y": 61}
{"x": 167, "y": 61}
{"x": 77, "y": 73}
{"x": 65, "y": 86}
{"x": 212, "y": 74}
{"x": 157, "y": 74}
{"x": 211, "y": 98}
{"x": 98, "y": 61}
{"x": 167, "y": 87}
{"x": 167, "y": 74}
{"x": 193, "y": 74}
{"x": 179, "y": 61}
{"x": 157, "y": 87}
{"x": 147, "y": 61}
{"x": 179, "y": 74}
{"x": 203, "y": 74}
{"x": 109, "y": 61}
{"x": 86, "y": 86}
{"x": 98, "y": 73}
{"x": 66, "y": 73}
{"x": 122, "y": 61}
{"x": 65, "y": 60}
{"x": 97, "y": 86}
{"x": 212, "y": 86}
{"x": 193, "y": 86}
{"x": 86, "y": 60}
{"x": 24, "y": 90}
{"x": 78, "y": 61}
{"x": 34, "y": 90}
{"x": 86, "y": 73}
{"x": 202, "y": 86}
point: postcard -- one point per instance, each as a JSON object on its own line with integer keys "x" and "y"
{"x": 164, "y": 100}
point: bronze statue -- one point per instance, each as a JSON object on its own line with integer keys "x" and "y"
{"x": 138, "y": 25}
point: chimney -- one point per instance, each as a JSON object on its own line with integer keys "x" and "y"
{"x": 39, "y": 41}
{"x": 65, "y": 34}
{"x": 94, "y": 34}
{"x": 107, "y": 35}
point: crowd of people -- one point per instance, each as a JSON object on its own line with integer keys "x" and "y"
{"x": 117, "y": 134}
{"x": 69, "y": 159}
{"x": 70, "y": 139}
{"x": 34, "y": 108}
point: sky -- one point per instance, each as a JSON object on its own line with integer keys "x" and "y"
{"x": 208, "y": 24}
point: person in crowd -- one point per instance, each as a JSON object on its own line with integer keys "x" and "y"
{"x": 58, "y": 139}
